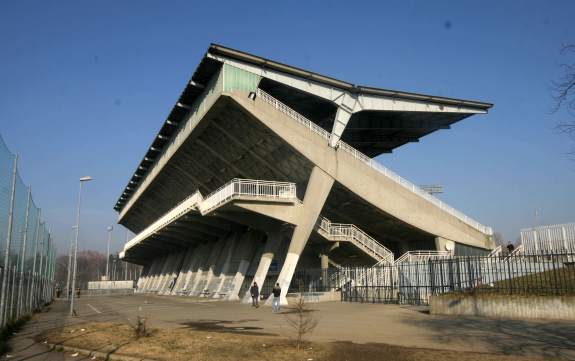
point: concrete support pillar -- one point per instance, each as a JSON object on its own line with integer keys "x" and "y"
{"x": 143, "y": 277}
{"x": 183, "y": 270}
{"x": 156, "y": 267}
{"x": 214, "y": 271}
{"x": 442, "y": 244}
{"x": 201, "y": 279}
{"x": 166, "y": 271}
{"x": 318, "y": 188}
{"x": 200, "y": 254}
{"x": 148, "y": 277}
{"x": 270, "y": 248}
{"x": 324, "y": 261}
{"x": 162, "y": 273}
{"x": 234, "y": 243}
{"x": 173, "y": 270}
{"x": 248, "y": 249}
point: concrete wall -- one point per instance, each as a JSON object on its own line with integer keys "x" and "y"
{"x": 315, "y": 297}
{"x": 504, "y": 306}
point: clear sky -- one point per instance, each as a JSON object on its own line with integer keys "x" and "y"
{"x": 85, "y": 85}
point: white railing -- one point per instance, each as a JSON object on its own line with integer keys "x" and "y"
{"x": 182, "y": 208}
{"x": 240, "y": 188}
{"x": 234, "y": 189}
{"x": 496, "y": 252}
{"x": 293, "y": 114}
{"x": 555, "y": 238}
{"x": 372, "y": 163}
{"x": 351, "y": 233}
{"x": 422, "y": 255}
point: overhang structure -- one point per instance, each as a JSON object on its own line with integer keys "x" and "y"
{"x": 261, "y": 168}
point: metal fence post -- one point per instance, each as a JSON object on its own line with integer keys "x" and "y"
{"x": 8, "y": 242}
{"x": 23, "y": 255}
{"x": 36, "y": 240}
{"x": 40, "y": 269}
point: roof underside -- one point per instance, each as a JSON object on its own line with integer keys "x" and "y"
{"x": 372, "y": 132}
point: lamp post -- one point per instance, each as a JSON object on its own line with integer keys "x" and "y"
{"x": 75, "y": 260}
{"x": 69, "y": 269}
{"x": 108, "y": 253}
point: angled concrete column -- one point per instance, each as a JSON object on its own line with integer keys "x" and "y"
{"x": 246, "y": 255}
{"x": 200, "y": 254}
{"x": 156, "y": 267}
{"x": 231, "y": 246}
{"x": 162, "y": 273}
{"x": 148, "y": 277}
{"x": 270, "y": 248}
{"x": 201, "y": 279}
{"x": 318, "y": 189}
{"x": 169, "y": 265}
{"x": 214, "y": 272}
{"x": 324, "y": 261}
{"x": 159, "y": 273}
{"x": 143, "y": 277}
{"x": 166, "y": 272}
{"x": 184, "y": 269}
{"x": 173, "y": 270}
{"x": 442, "y": 244}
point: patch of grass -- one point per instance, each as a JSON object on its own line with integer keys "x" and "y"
{"x": 8, "y": 331}
{"x": 558, "y": 282}
{"x": 191, "y": 345}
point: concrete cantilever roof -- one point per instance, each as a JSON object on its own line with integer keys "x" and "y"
{"x": 209, "y": 66}
{"x": 243, "y": 56}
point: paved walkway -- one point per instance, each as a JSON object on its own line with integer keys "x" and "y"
{"x": 23, "y": 345}
{"x": 361, "y": 323}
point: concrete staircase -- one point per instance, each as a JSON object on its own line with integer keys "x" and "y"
{"x": 340, "y": 232}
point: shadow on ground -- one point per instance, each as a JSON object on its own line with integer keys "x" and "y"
{"x": 511, "y": 337}
{"x": 226, "y": 326}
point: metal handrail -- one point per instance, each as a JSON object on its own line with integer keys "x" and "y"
{"x": 237, "y": 188}
{"x": 496, "y": 252}
{"x": 422, "y": 255}
{"x": 179, "y": 210}
{"x": 372, "y": 163}
{"x": 350, "y": 232}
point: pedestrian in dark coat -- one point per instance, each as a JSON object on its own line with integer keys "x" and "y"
{"x": 255, "y": 292}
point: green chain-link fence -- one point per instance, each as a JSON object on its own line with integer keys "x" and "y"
{"x": 27, "y": 253}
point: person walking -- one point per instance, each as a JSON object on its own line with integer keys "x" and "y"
{"x": 255, "y": 292}
{"x": 276, "y": 300}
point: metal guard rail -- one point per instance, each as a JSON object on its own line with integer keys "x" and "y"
{"x": 419, "y": 255}
{"x": 345, "y": 232}
{"x": 237, "y": 188}
{"x": 372, "y": 163}
{"x": 182, "y": 208}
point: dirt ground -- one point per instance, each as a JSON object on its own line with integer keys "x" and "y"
{"x": 193, "y": 345}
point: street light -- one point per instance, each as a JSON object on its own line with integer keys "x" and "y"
{"x": 108, "y": 254}
{"x": 82, "y": 180}
{"x": 69, "y": 269}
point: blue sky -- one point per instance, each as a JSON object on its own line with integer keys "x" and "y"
{"x": 84, "y": 87}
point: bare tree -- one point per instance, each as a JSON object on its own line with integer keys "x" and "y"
{"x": 302, "y": 320}
{"x": 498, "y": 239}
{"x": 564, "y": 92}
